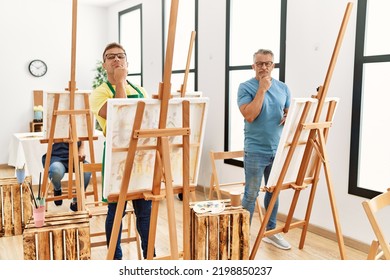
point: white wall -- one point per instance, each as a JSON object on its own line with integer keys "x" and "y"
{"x": 42, "y": 29}
{"x": 312, "y": 28}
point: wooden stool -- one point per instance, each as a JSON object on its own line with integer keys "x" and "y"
{"x": 15, "y": 206}
{"x": 222, "y": 236}
{"x": 64, "y": 236}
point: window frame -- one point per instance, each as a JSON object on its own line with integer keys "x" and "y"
{"x": 121, "y": 13}
{"x": 358, "y": 81}
{"x": 281, "y": 65}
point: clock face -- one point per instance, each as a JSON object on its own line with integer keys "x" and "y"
{"x": 37, "y": 68}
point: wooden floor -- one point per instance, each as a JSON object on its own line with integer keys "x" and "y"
{"x": 316, "y": 247}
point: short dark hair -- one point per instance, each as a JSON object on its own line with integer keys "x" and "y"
{"x": 263, "y": 51}
{"x": 111, "y": 46}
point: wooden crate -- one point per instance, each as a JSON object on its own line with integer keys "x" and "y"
{"x": 15, "y": 206}
{"x": 64, "y": 236}
{"x": 223, "y": 236}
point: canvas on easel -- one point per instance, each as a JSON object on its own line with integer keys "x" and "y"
{"x": 290, "y": 126}
{"x": 120, "y": 120}
{"x": 297, "y": 165}
{"x": 62, "y": 122}
{"x": 63, "y": 108}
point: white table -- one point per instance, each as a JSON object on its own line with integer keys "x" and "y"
{"x": 25, "y": 149}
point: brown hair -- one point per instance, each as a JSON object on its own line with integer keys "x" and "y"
{"x": 111, "y": 46}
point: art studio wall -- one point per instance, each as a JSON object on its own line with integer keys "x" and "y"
{"x": 42, "y": 30}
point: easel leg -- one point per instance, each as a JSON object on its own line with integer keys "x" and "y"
{"x": 116, "y": 228}
{"x": 75, "y": 162}
{"x": 45, "y": 185}
{"x": 332, "y": 199}
{"x": 262, "y": 230}
{"x": 186, "y": 183}
{"x": 169, "y": 198}
{"x": 152, "y": 229}
{"x": 310, "y": 204}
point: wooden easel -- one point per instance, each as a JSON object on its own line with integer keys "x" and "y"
{"x": 162, "y": 169}
{"x": 183, "y": 87}
{"x": 73, "y": 138}
{"x": 317, "y": 142}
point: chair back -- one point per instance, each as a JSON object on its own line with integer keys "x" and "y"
{"x": 93, "y": 168}
{"x": 372, "y": 208}
{"x": 216, "y": 185}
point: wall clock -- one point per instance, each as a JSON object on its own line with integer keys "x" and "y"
{"x": 37, "y": 68}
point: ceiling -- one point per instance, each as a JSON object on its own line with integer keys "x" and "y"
{"x": 101, "y": 3}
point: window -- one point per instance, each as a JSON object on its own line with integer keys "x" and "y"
{"x": 130, "y": 37}
{"x": 370, "y": 136}
{"x": 187, "y": 16}
{"x": 249, "y": 16}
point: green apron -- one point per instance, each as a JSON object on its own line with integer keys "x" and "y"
{"x": 138, "y": 95}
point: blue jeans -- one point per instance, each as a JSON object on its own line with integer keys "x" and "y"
{"x": 142, "y": 209}
{"x": 57, "y": 171}
{"x": 257, "y": 165}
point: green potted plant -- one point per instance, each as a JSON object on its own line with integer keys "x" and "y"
{"x": 100, "y": 77}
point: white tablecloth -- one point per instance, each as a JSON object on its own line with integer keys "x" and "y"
{"x": 25, "y": 149}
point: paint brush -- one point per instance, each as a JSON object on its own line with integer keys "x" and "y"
{"x": 39, "y": 186}
{"x": 32, "y": 195}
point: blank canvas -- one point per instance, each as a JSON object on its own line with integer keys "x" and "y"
{"x": 290, "y": 127}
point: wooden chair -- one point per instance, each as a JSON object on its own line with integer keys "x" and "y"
{"x": 372, "y": 207}
{"x": 225, "y": 188}
{"x": 69, "y": 189}
{"x": 98, "y": 208}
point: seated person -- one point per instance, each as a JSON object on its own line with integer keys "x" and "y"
{"x": 59, "y": 166}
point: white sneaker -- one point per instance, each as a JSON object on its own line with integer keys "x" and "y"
{"x": 278, "y": 241}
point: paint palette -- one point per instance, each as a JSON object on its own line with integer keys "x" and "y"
{"x": 212, "y": 206}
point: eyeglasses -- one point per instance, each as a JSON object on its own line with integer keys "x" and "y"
{"x": 111, "y": 56}
{"x": 266, "y": 64}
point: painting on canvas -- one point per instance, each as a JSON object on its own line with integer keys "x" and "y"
{"x": 121, "y": 115}
{"x": 62, "y": 122}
